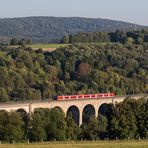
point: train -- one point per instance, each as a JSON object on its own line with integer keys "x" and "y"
{"x": 85, "y": 96}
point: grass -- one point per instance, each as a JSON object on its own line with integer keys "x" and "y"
{"x": 52, "y": 47}
{"x": 45, "y": 47}
{"x": 91, "y": 144}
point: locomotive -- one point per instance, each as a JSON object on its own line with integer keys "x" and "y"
{"x": 85, "y": 96}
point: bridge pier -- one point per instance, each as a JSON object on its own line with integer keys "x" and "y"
{"x": 30, "y": 109}
{"x": 96, "y": 110}
{"x": 80, "y": 117}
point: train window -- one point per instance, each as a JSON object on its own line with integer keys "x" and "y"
{"x": 66, "y": 97}
{"x": 73, "y": 97}
{"x": 87, "y": 96}
{"x": 105, "y": 95}
{"x": 79, "y": 96}
{"x": 100, "y": 95}
{"x": 112, "y": 94}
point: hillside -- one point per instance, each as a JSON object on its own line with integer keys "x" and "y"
{"x": 75, "y": 69}
{"x": 50, "y": 29}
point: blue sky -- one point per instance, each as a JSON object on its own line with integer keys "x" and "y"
{"x": 134, "y": 11}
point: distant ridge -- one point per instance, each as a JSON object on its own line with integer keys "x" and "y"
{"x": 51, "y": 29}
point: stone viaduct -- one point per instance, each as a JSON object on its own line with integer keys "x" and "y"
{"x": 75, "y": 107}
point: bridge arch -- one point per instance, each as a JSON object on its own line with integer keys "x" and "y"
{"x": 74, "y": 112}
{"x": 88, "y": 111}
{"x": 24, "y": 115}
{"x": 58, "y": 108}
{"x": 22, "y": 111}
{"x": 103, "y": 109}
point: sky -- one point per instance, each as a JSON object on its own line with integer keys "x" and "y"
{"x": 134, "y": 11}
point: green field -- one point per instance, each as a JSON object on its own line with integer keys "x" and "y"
{"x": 51, "y": 47}
{"x": 47, "y": 45}
{"x": 99, "y": 144}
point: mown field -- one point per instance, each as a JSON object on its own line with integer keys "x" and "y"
{"x": 45, "y": 47}
{"x": 51, "y": 47}
{"x": 100, "y": 144}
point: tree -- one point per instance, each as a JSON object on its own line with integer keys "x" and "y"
{"x": 26, "y": 121}
{"x": 3, "y": 122}
{"x": 141, "y": 111}
{"x": 3, "y": 95}
{"x": 139, "y": 40}
{"x": 13, "y": 129}
{"x": 125, "y": 123}
{"x": 57, "y": 127}
{"x": 37, "y": 132}
{"x": 14, "y": 41}
{"x": 129, "y": 40}
{"x": 102, "y": 126}
{"x": 117, "y": 36}
{"x": 22, "y": 42}
{"x": 28, "y": 42}
{"x": 40, "y": 119}
{"x": 65, "y": 39}
{"x": 72, "y": 129}
{"x": 90, "y": 130}
{"x": 83, "y": 70}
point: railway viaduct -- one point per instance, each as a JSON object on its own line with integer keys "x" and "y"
{"x": 75, "y": 107}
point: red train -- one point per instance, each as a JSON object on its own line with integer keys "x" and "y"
{"x": 86, "y": 96}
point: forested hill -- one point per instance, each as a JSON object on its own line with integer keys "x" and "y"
{"x": 76, "y": 69}
{"x": 45, "y": 29}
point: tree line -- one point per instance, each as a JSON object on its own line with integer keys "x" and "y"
{"x": 126, "y": 120}
{"x": 21, "y": 42}
{"x": 130, "y": 37}
{"x": 27, "y": 74}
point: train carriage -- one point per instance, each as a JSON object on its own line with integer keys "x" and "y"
{"x": 86, "y": 96}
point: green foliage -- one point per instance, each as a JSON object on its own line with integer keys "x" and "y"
{"x": 14, "y": 41}
{"x": 57, "y": 127}
{"x": 128, "y": 120}
{"x": 129, "y": 38}
{"x": 10, "y": 128}
{"x": 3, "y": 95}
{"x": 72, "y": 129}
{"x": 90, "y": 130}
{"x": 94, "y": 37}
{"x": 102, "y": 126}
{"x": 22, "y": 42}
{"x": 102, "y": 68}
{"x": 39, "y": 122}
{"x": 65, "y": 39}
{"x": 26, "y": 74}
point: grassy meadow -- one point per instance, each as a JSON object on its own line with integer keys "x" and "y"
{"x": 45, "y": 47}
{"x": 51, "y": 47}
{"x": 91, "y": 144}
